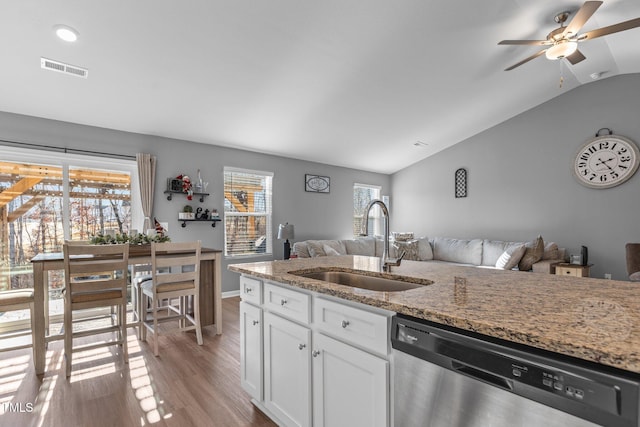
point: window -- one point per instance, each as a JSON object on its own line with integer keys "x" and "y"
{"x": 247, "y": 212}
{"x": 362, "y": 195}
{"x": 47, "y": 197}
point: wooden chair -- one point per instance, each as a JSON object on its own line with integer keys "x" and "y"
{"x": 175, "y": 275}
{"x": 95, "y": 276}
{"x": 21, "y": 299}
{"x": 633, "y": 261}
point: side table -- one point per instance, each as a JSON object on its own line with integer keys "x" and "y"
{"x": 575, "y": 270}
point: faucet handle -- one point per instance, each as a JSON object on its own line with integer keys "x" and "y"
{"x": 401, "y": 256}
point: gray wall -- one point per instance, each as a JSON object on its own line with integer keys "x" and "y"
{"x": 314, "y": 215}
{"x": 520, "y": 180}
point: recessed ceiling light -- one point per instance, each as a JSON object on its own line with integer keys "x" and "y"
{"x": 66, "y": 33}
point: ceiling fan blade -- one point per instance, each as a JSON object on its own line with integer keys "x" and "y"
{"x": 622, "y": 26}
{"x": 534, "y": 56}
{"x": 582, "y": 16}
{"x": 576, "y": 57}
{"x": 526, "y": 42}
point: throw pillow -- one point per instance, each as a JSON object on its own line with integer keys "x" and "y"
{"x": 510, "y": 258}
{"x": 337, "y": 245}
{"x": 425, "y": 253}
{"x": 329, "y": 251}
{"x": 532, "y": 254}
{"x": 551, "y": 251}
{"x": 315, "y": 248}
{"x": 635, "y": 277}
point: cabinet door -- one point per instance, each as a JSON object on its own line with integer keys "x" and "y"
{"x": 251, "y": 349}
{"x": 287, "y": 370}
{"x": 350, "y": 386}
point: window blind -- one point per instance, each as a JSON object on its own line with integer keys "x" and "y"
{"x": 247, "y": 212}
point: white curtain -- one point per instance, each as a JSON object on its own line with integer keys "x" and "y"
{"x": 147, "y": 178}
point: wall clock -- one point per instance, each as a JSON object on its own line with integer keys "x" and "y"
{"x": 606, "y": 161}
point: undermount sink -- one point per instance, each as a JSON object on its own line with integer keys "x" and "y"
{"x": 363, "y": 281}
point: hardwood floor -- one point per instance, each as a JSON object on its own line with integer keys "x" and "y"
{"x": 187, "y": 385}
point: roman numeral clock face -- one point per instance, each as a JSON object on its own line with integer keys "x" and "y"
{"x": 606, "y": 161}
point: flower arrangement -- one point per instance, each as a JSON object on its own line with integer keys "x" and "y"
{"x": 135, "y": 239}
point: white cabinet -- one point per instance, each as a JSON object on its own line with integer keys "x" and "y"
{"x": 310, "y": 360}
{"x": 287, "y": 370}
{"x": 251, "y": 349}
{"x": 350, "y": 386}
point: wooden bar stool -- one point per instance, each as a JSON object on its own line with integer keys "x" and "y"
{"x": 95, "y": 276}
{"x": 21, "y": 299}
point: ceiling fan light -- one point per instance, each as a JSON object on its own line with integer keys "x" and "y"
{"x": 561, "y": 50}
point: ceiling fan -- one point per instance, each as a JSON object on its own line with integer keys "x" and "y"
{"x": 563, "y": 41}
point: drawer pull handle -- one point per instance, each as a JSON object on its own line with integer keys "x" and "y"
{"x": 316, "y": 353}
{"x": 301, "y": 346}
{"x": 345, "y": 323}
{"x": 255, "y": 322}
{"x": 283, "y": 302}
{"x": 248, "y": 290}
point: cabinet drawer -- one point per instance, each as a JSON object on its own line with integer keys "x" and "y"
{"x": 353, "y": 325}
{"x": 567, "y": 271}
{"x": 250, "y": 290}
{"x": 287, "y": 302}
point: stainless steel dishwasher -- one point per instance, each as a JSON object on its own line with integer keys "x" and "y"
{"x": 445, "y": 377}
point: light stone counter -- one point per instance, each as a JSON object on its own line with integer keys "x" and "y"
{"x": 592, "y": 319}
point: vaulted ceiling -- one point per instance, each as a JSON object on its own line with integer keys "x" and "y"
{"x": 354, "y": 83}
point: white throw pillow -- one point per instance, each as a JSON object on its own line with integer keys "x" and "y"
{"x": 510, "y": 258}
{"x": 330, "y": 251}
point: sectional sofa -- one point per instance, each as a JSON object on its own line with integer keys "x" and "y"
{"x": 524, "y": 256}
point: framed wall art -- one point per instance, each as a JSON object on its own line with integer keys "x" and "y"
{"x": 317, "y": 183}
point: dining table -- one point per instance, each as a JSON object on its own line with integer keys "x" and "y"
{"x": 210, "y": 293}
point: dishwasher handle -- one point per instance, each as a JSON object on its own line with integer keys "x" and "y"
{"x": 478, "y": 374}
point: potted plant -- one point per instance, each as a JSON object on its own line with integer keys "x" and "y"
{"x": 187, "y": 213}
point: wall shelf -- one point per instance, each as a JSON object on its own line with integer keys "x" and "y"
{"x": 212, "y": 221}
{"x": 170, "y": 194}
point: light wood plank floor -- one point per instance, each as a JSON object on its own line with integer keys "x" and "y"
{"x": 187, "y": 385}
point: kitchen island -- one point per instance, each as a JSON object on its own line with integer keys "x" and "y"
{"x": 592, "y": 319}
{"x": 309, "y": 345}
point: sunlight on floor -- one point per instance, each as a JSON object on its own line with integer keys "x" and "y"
{"x": 143, "y": 388}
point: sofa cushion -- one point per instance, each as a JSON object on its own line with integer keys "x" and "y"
{"x": 301, "y": 249}
{"x": 492, "y": 250}
{"x": 510, "y": 257}
{"x": 365, "y": 246}
{"x": 316, "y": 248}
{"x": 532, "y": 254}
{"x": 425, "y": 251}
{"x": 457, "y": 250}
{"x": 551, "y": 251}
{"x": 336, "y": 245}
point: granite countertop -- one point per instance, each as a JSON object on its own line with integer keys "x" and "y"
{"x": 592, "y": 319}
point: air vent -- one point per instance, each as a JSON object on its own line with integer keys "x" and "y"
{"x": 61, "y": 67}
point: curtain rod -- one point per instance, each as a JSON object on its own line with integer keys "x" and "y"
{"x": 66, "y": 150}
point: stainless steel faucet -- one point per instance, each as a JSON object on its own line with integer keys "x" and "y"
{"x": 385, "y": 262}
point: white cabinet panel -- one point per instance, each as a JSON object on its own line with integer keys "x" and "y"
{"x": 351, "y": 324}
{"x": 251, "y": 290}
{"x": 287, "y": 302}
{"x": 251, "y": 349}
{"x": 287, "y": 370}
{"x": 350, "y": 386}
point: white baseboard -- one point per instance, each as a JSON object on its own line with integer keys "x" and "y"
{"x": 231, "y": 294}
